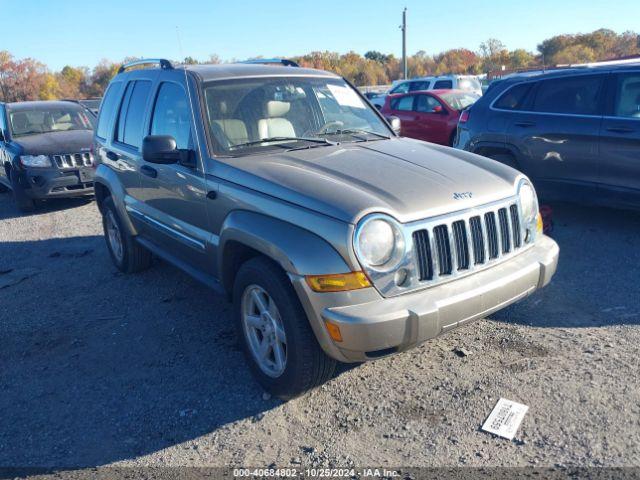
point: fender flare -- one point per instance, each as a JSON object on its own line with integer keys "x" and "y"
{"x": 108, "y": 179}
{"x": 296, "y": 250}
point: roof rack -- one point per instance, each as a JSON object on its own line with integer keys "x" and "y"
{"x": 271, "y": 61}
{"x": 164, "y": 64}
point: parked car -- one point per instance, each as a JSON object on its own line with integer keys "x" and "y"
{"x": 45, "y": 149}
{"x": 335, "y": 239}
{"x": 431, "y": 116}
{"x": 574, "y": 132}
{"x": 468, "y": 83}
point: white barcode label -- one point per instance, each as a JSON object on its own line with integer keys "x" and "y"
{"x": 505, "y": 418}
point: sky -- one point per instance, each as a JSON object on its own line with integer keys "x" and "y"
{"x": 82, "y": 32}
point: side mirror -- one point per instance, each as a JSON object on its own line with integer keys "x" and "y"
{"x": 160, "y": 149}
{"x": 395, "y": 124}
{"x": 437, "y": 109}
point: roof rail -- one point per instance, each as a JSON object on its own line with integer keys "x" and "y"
{"x": 164, "y": 64}
{"x": 272, "y": 61}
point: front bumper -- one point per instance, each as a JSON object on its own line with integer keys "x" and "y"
{"x": 42, "y": 183}
{"x": 373, "y": 326}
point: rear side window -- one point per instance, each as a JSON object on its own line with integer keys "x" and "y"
{"x": 443, "y": 84}
{"x": 402, "y": 103}
{"x": 627, "y": 102}
{"x": 171, "y": 114}
{"x": 414, "y": 86}
{"x": 573, "y": 95}
{"x": 514, "y": 97}
{"x": 132, "y": 113}
{"x": 106, "y": 110}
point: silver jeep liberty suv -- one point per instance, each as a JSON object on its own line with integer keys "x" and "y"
{"x": 336, "y": 240}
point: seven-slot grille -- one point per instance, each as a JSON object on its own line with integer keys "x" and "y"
{"x": 73, "y": 160}
{"x": 460, "y": 245}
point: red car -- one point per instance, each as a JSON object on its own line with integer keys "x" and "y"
{"x": 430, "y": 115}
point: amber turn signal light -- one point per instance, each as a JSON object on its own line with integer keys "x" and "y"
{"x": 338, "y": 282}
{"x": 540, "y": 225}
{"x": 334, "y": 331}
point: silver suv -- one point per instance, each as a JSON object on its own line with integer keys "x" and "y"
{"x": 336, "y": 240}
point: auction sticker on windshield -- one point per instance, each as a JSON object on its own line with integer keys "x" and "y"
{"x": 505, "y": 418}
{"x": 345, "y": 96}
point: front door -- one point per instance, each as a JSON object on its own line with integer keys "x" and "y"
{"x": 620, "y": 141}
{"x": 174, "y": 195}
{"x": 432, "y": 120}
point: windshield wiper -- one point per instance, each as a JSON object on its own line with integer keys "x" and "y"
{"x": 352, "y": 131}
{"x": 282, "y": 139}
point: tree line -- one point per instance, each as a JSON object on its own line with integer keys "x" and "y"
{"x": 29, "y": 79}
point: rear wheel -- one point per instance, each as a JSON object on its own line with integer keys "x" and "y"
{"x": 23, "y": 201}
{"x": 125, "y": 252}
{"x": 274, "y": 332}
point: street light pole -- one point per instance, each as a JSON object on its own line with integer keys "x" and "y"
{"x": 404, "y": 43}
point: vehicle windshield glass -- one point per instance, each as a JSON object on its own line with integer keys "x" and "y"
{"x": 37, "y": 120}
{"x": 459, "y": 100}
{"x": 255, "y": 115}
{"x": 469, "y": 84}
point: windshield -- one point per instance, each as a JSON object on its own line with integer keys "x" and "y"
{"x": 248, "y": 116}
{"x": 469, "y": 84}
{"x": 459, "y": 100}
{"x": 45, "y": 120}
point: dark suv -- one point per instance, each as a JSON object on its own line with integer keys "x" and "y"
{"x": 45, "y": 151}
{"x": 574, "y": 132}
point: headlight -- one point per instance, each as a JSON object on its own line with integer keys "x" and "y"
{"x": 35, "y": 160}
{"x": 528, "y": 206}
{"x": 379, "y": 242}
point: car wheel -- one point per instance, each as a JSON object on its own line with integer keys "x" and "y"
{"x": 507, "y": 159}
{"x": 274, "y": 332}
{"x": 125, "y": 252}
{"x": 23, "y": 201}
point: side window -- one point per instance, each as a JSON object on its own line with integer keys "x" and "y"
{"x": 415, "y": 86}
{"x": 130, "y": 118}
{"x": 514, "y": 97}
{"x": 627, "y": 100}
{"x": 403, "y": 103}
{"x": 443, "y": 84}
{"x": 402, "y": 88}
{"x": 106, "y": 110}
{"x": 171, "y": 114}
{"x": 427, "y": 104}
{"x": 575, "y": 95}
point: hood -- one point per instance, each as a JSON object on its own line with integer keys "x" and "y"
{"x": 55, "y": 143}
{"x": 407, "y": 179}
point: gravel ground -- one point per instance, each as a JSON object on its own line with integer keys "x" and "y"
{"x": 98, "y": 368}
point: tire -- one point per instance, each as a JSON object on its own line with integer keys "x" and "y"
{"x": 507, "y": 159}
{"x": 126, "y": 253}
{"x": 305, "y": 364}
{"x": 24, "y": 202}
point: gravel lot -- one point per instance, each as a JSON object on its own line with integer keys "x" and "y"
{"x": 98, "y": 368}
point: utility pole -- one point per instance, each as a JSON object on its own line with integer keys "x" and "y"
{"x": 403, "y": 27}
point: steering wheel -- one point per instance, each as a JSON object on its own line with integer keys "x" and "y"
{"x": 325, "y": 128}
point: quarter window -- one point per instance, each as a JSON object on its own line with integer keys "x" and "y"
{"x": 627, "y": 102}
{"x": 514, "y": 98}
{"x": 403, "y": 103}
{"x": 573, "y": 95}
{"x": 107, "y": 109}
{"x": 171, "y": 114}
{"x": 131, "y": 117}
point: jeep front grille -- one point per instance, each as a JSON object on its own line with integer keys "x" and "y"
{"x": 465, "y": 242}
{"x": 73, "y": 160}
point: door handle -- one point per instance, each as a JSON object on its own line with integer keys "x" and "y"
{"x": 525, "y": 124}
{"x": 148, "y": 171}
{"x": 112, "y": 156}
{"x": 620, "y": 129}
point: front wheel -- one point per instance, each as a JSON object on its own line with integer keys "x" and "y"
{"x": 274, "y": 332}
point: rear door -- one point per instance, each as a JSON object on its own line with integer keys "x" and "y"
{"x": 620, "y": 140}
{"x": 174, "y": 195}
{"x": 557, "y": 132}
